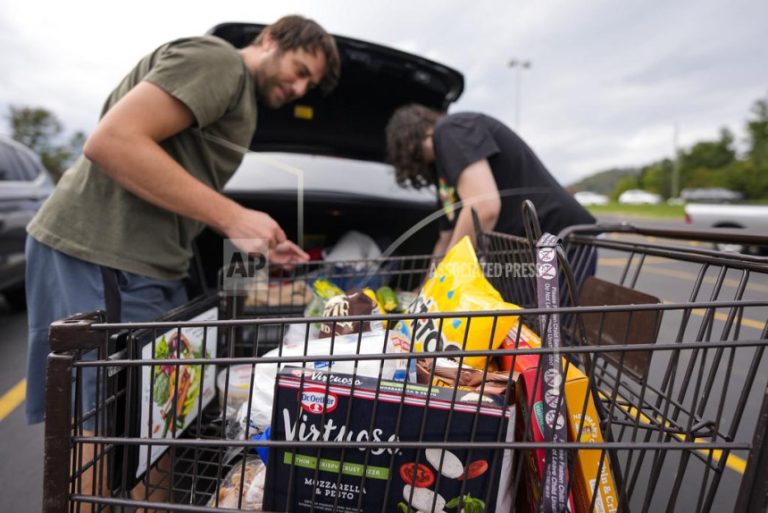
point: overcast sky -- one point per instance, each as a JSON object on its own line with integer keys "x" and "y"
{"x": 608, "y": 82}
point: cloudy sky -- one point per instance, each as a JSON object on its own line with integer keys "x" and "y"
{"x": 609, "y": 79}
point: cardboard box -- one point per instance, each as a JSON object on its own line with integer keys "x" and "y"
{"x": 328, "y": 407}
{"x": 587, "y": 462}
{"x": 530, "y": 407}
{"x": 519, "y": 336}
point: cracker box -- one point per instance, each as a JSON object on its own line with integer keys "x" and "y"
{"x": 530, "y": 405}
{"x": 584, "y": 426}
{"x": 581, "y": 409}
{"x": 328, "y": 407}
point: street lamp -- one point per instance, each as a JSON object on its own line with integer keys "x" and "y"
{"x": 520, "y": 65}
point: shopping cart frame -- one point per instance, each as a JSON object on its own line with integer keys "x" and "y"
{"x": 86, "y": 332}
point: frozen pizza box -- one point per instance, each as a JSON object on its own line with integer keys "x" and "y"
{"x": 327, "y": 407}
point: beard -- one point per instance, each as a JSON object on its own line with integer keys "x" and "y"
{"x": 268, "y": 85}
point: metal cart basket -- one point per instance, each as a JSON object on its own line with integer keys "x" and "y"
{"x": 677, "y": 386}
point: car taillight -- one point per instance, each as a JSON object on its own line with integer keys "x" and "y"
{"x": 687, "y": 218}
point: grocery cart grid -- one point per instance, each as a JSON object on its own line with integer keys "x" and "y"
{"x": 679, "y": 390}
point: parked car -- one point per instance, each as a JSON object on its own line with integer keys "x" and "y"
{"x": 335, "y": 145}
{"x": 24, "y": 185}
{"x": 711, "y": 195}
{"x": 751, "y": 217}
{"x": 587, "y": 198}
{"x": 639, "y": 197}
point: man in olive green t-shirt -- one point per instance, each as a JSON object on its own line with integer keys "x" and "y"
{"x": 150, "y": 176}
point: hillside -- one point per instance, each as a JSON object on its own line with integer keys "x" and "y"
{"x": 603, "y": 182}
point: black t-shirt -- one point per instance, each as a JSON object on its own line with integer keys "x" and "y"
{"x": 464, "y": 138}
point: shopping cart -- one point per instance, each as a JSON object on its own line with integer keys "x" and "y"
{"x": 678, "y": 386}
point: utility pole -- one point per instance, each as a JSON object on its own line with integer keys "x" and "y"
{"x": 520, "y": 65}
{"x": 675, "y": 192}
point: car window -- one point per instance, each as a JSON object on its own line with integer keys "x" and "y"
{"x": 16, "y": 165}
{"x": 265, "y": 171}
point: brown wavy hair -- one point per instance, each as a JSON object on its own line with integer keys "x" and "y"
{"x": 294, "y": 32}
{"x": 406, "y": 130}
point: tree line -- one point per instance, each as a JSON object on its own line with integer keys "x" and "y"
{"x": 41, "y": 130}
{"x": 713, "y": 163}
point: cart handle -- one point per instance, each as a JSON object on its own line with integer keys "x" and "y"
{"x": 700, "y": 234}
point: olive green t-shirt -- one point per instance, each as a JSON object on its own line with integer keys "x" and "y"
{"x": 91, "y": 217}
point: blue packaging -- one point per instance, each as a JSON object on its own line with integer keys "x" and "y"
{"x": 313, "y": 405}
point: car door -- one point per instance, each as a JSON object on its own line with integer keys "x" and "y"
{"x": 24, "y": 185}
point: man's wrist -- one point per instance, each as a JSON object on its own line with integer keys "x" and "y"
{"x": 225, "y": 214}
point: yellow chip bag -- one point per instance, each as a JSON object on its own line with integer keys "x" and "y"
{"x": 458, "y": 285}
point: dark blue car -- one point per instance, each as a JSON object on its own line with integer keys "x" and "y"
{"x": 24, "y": 185}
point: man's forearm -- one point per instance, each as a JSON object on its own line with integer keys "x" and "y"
{"x": 465, "y": 225}
{"x": 142, "y": 167}
{"x": 441, "y": 246}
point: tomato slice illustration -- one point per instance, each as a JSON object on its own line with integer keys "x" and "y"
{"x": 416, "y": 474}
{"x": 475, "y": 469}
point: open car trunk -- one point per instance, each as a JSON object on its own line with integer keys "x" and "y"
{"x": 347, "y": 125}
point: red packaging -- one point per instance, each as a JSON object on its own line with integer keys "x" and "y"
{"x": 527, "y": 339}
{"x": 530, "y": 408}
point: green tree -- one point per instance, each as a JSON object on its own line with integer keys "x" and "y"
{"x": 626, "y": 183}
{"x": 757, "y": 135}
{"x": 709, "y": 154}
{"x": 746, "y": 177}
{"x": 657, "y": 177}
{"x": 40, "y": 130}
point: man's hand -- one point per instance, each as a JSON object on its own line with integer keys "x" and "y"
{"x": 287, "y": 254}
{"x": 253, "y": 225}
{"x": 251, "y": 229}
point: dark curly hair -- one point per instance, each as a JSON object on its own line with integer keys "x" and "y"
{"x": 406, "y": 130}
{"x": 294, "y": 32}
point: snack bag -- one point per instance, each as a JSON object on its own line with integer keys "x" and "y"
{"x": 322, "y": 291}
{"x": 458, "y": 285}
{"x": 357, "y": 303}
{"x": 447, "y": 374}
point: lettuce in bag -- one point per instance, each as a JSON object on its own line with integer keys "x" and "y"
{"x": 458, "y": 285}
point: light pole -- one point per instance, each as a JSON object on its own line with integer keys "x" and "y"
{"x": 675, "y": 189}
{"x": 520, "y": 65}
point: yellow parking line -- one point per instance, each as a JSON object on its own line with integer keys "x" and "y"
{"x": 732, "y": 461}
{"x": 683, "y": 275}
{"x": 12, "y": 398}
{"x": 720, "y": 316}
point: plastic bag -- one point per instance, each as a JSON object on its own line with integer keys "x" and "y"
{"x": 297, "y": 333}
{"x": 459, "y": 285}
{"x": 354, "y": 247}
{"x": 370, "y": 342}
{"x": 322, "y": 291}
{"x": 252, "y": 482}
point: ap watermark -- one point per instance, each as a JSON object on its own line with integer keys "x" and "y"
{"x": 506, "y": 270}
{"x": 245, "y": 265}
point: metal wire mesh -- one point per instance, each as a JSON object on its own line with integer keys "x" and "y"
{"x": 677, "y": 384}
